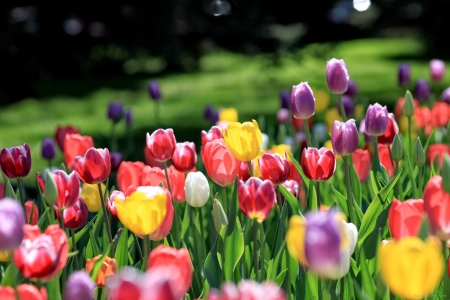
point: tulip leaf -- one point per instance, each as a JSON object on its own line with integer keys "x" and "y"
{"x": 53, "y": 290}
{"x": 230, "y": 249}
{"x": 272, "y": 269}
{"x": 42, "y": 220}
{"x": 374, "y": 183}
{"x": 341, "y": 201}
{"x": 424, "y": 228}
{"x": 368, "y": 285}
{"x": 312, "y": 286}
{"x": 98, "y": 264}
{"x": 82, "y": 232}
{"x": 11, "y": 276}
{"x": 300, "y": 170}
{"x": 291, "y": 200}
{"x": 429, "y": 139}
{"x": 360, "y": 295}
{"x": 356, "y": 184}
{"x": 280, "y": 277}
{"x": 9, "y": 191}
{"x": 121, "y": 254}
{"x": 211, "y": 268}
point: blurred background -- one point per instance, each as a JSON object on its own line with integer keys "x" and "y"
{"x": 62, "y": 63}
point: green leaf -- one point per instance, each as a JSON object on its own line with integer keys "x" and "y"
{"x": 9, "y": 191}
{"x": 429, "y": 139}
{"x": 11, "y": 276}
{"x": 71, "y": 254}
{"x": 121, "y": 254}
{"x": 291, "y": 200}
{"x": 185, "y": 222}
{"x": 272, "y": 270}
{"x": 341, "y": 201}
{"x": 356, "y": 184}
{"x": 280, "y": 277}
{"x": 53, "y": 289}
{"x": 374, "y": 183}
{"x": 368, "y": 285}
{"x": 300, "y": 170}
{"x": 230, "y": 249}
{"x": 312, "y": 285}
{"x": 212, "y": 269}
{"x": 81, "y": 233}
{"x": 424, "y": 228}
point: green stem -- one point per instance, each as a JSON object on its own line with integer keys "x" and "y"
{"x": 399, "y": 183}
{"x": 74, "y": 249}
{"x": 316, "y": 186}
{"x": 349, "y": 190}
{"x": 146, "y": 248}
{"x": 31, "y": 213}
{"x": 157, "y": 114}
{"x": 250, "y": 168}
{"x": 420, "y": 175}
{"x": 202, "y": 233}
{"x": 105, "y": 215}
{"x": 308, "y": 136}
{"x": 64, "y": 271}
{"x": 445, "y": 280}
{"x": 341, "y": 292}
{"x": 113, "y": 138}
{"x": 20, "y": 187}
{"x": 410, "y": 147}
{"x": 138, "y": 246}
{"x": 99, "y": 293}
{"x": 376, "y": 166}
{"x": 278, "y": 195}
{"x": 261, "y": 250}
{"x": 224, "y": 201}
{"x": 255, "y": 249}
{"x": 319, "y": 287}
{"x": 412, "y": 177}
{"x": 288, "y": 274}
{"x": 341, "y": 106}
{"x": 167, "y": 177}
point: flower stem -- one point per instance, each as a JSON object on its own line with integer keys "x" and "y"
{"x": 74, "y": 249}
{"x": 278, "y": 195}
{"x": 262, "y": 241}
{"x": 288, "y": 274}
{"x": 255, "y": 249}
{"x": 341, "y": 106}
{"x": 399, "y": 183}
{"x": 20, "y": 187}
{"x": 64, "y": 271}
{"x": 349, "y": 190}
{"x": 445, "y": 280}
{"x": 414, "y": 188}
{"x": 105, "y": 215}
{"x": 250, "y": 168}
{"x": 341, "y": 292}
{"x": 308, "y": 136}
{"x": 376, "y": 166}
{"x": 157, "y": 114}
{"x": 138, "y": 246}
{"x": 202, "y": 233}
{"x": 410, "y": 148}
{"x": 316, "y": 186}
{"x": 113, "y": 138}
{"x": 146, "y": 249}
{"x": 224, "y": 201}
{"x": 420, "y": 175}
{"x": 167, "y": 178}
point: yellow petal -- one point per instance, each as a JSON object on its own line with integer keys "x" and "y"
{"x": 228, "y": 115}
{"x": 243, "y": 140}
{"x": 91, "y": 196}
{"x": 295, "y": 238}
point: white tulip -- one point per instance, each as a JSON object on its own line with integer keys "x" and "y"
{"x": 197, "y": 189}
{"x": 264, "y": 141}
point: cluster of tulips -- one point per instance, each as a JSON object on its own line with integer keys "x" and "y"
{"x": 366, "y": 216}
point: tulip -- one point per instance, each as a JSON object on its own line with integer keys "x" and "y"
{"x": 161, "y": 144}
{"x": 125, "y": 285}
{"x": 437, "y": 206}
{"x": 344, "y": 137}
{"x": 48, "y": 186}
{"x": 75, "y": 145}
{"x": 329, "y": 255}
{"x": 116, "y": 160}
{"x": 115, "y": 111}
{"x": 440, "y": 114}
{"x": 30, "y": 205}
{"x": 437, "y": 69}
{"x": 438, "y": 150}
{"x": 352, "y": 89}
{"x": 184, "y": 157}
{"x": 166, "y": 257}
{"x": 404, "y": 74}
{"x": 422, "y": 90}
{"x": 376, "y": 120}
{"x": 41, "y": 256}
{"x": 213, "y": 134}
{"x": 362, "y": 161}
{"x": 177, "y": 182}
{"x": 318, "y": 164}
{"x": 422, "y": 116}
{"x": 128, "y": 174}
{"x": 385, "y": 158}
{"x": 391, "y": 130}
{"x": 283, "y": 116}
{"x": 151, "y": 161}
{"x": 405, "y": 218}
{"x": 12, "y": 219}
{"x": 274, "y": 168}
{"x": 349, "y": 105}
{"x": 163, "y": 230}
{"x": 67, "y": 186}
{"x": 256, "y": 198}
{"x": 48, "y": 149}
{"x": 79, "y": 286}
{"x": 60, "y": 135}
{"x": 411, "y": 268}
{"x": 302, "y": 101}
{"x": 91, "y": 196}
{"x": 228, "y": 115}
{"x": 75, "y": 216}
{"x": 211, "y": 114}
{"x": 24, "y": 292}
{"x": 337, "y": 76}
{"x": 445, "y": 96}
{"x": 244, "y": 140}
{"x": 129, "y": 117}
{"x": 94, "y": 167}
{"x": 151, "y": 177}
{"x": 145, "y": 201}
{"x": 248, "y": 289}
{"x": 154, "y": 90}
{"x": 197, "y": 189}
{"x": 16, "y": 161}
{"x": 108, "y": 269}
{"x": 220, "y": 164}
{"x": 362, "y": 129}
{"x": 293, "y": 187}
{"x": 244, "y": 172}
{"x": 419, "y": 154}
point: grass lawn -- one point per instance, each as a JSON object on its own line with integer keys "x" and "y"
{"x": 250, "y": 84}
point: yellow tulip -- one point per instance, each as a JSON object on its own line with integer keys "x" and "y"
{"x": 330, "y": 116}
{"x": 411, "y": 267}
{"x": 322, "y": 100}
{"x": 91, "y": 196}
{"x": 228, "y": 115}
{"x": 282, "y": 149}
{"x": 244, "y": 140}
{"x": 295, "y": 238}
{"x": 5, "y": 256}
{"x": 144, "y": 210}
{"x": 256, "y": 170}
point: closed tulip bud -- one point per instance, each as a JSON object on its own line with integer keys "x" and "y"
{"x": 362, "y": 161}
{"x": 95, "y": 166}
{"x": 318, "y": 164}
{"x": 79, "y": 286}
{"x": 75, "y": 216}
{"x": 422, "y": 90}
{"x": 352, "y": 89}
{"x": 16, "y": 161}
{"x": 344, "y": 137}
{"x": 154, "y": 90}
{"x": 30, "y": 206}
{"x": 13, "y": 220}
{"x": 302, "y": 101}
{"x": 51, "y": 189}
{"x": 376, "y": 120}
{"x": 184, "y": 157}
{"x": 419, "y": 154}
{"x": 405, "y": 218}
{"x": 337, "y": 76}
{"x": 219, "y": 216}
{"x": 116, "y": 160}
{"x": 256, "y": 198}
{"x": 48, "y": 149}
{"x": 437, "y": 206}
{"x": 161, "y": 144}
{"x": 244, "y": 140}
{"x": 397, "y": 149}
{"x": 408, "y": 105}
{"x": 445, "y": 96}
{"x": 115, "y": 111}
{"x": 197, "y": 189}
{"x": 437, "y": 69}
{"x": 129, "y": 117}
{"x": 107, "y": 270}
{"x": 404, "y": 74}
{"x": 274, "y": 168}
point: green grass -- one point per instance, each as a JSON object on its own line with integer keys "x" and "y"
{"x": 250, "y": 84}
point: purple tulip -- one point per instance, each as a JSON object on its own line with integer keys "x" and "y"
{"x": 11, "y": 229}
{"x": 404, "y": 74}
{"x": 79, "y": 286}
{"x": 344, "y": 137}
{"x": 285, "y": 99}
{"x": 116, "y": 159}
{"x": 154, "y": 90}
{"x": 376, "y": 119}
{"x": 352, "y": 89}
{"x": 282, "y": 115}
{"x": 437, "y": 69}
{"x": 48, "y": 150}
{"x": 115, "y": 111}
{"x": 445, "y": 96}
{"x": 362, "y": 129}
{"x": 422, "y": 90}
{"x": 322, "y": 240}
{"x": 337, "y": 76}
{"x": 129, "y": 117}
{"x": 349, "y": 105}
{"x": 207, "y": 111}
{"x": 302, "y": 101}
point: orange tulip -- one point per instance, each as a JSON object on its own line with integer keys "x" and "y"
{"x": 221, "y": 165}
{"x": 108, "y": 269}
{"x": 129, "y": 174}
{"x": 75, "y": 145}
{"x": 440, "y": 114}
{"x": 362, "y": 160}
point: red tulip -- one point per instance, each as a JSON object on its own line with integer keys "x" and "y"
{"x": 60, "y": 135}
{"x": 75, "y": 216}
{"x": 129, "y": 173}
{"x": 164, "y": 229}
{"x": 177, "y": 183}
{"x": 318, "y": 164}
{"x": 68, "y": 187}
{"x": 150, "y": 160}
{"x": 184, "y": 158}
{"x": 161, "y": 144}
{"x": 28, "y": 206}
{"x": 391, "y": 130}
{"x": 437, "y": 206}
{"x": 274, "y": 168}
{"x": 362, "y": 161}
{"x": 163, "y": 256}
{"x": 385, "y": 158}
{"x": 24, "y": 292}
{"x": 213, "y": 134}
{"x": 75, "y": 145}
{"x": 42, "y": 255}
{"x": 94, "y": 167}
{"x": 152, "y": 177}
{"x": 112, "y": 204}
{"x": 293, "y": 187}
{"x": 294, "y": 174}
{"x": 438, "y": 150}
{"x": 405, "y": 218}
{"x": 244, "y": 172}
{"x": 221, "y": 165}
{"x": 256, "y": 198}
{"x": 16, "y": 161}
{"x": 440, "y": 114}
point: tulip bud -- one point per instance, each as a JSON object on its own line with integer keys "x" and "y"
{"x": 397, "y": 149}
{"x": 115, "y": 111}
{"x": 154, "y": 90}
{"x": 344, "y": 137}
{"x": 445, "y": 173}
{"x": 79, "y": 286}
{"x": 337, "y": 76}
{"x": 285, "y": 99}
{"x": 419, "y": 154}
{"x": 220, "y": 218}
{"x": 51, "y": 189}
{"x": 197, "y": 189}
{"x": 16, "y": 161}
{"x": 422, "y": 90}
{"x": 445, "y": 96}
{"x": 302, "y": 101}
{"x": 48, "y": 149}
{"x": 408, "y": 106}
{"x": 404, "y": 74}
